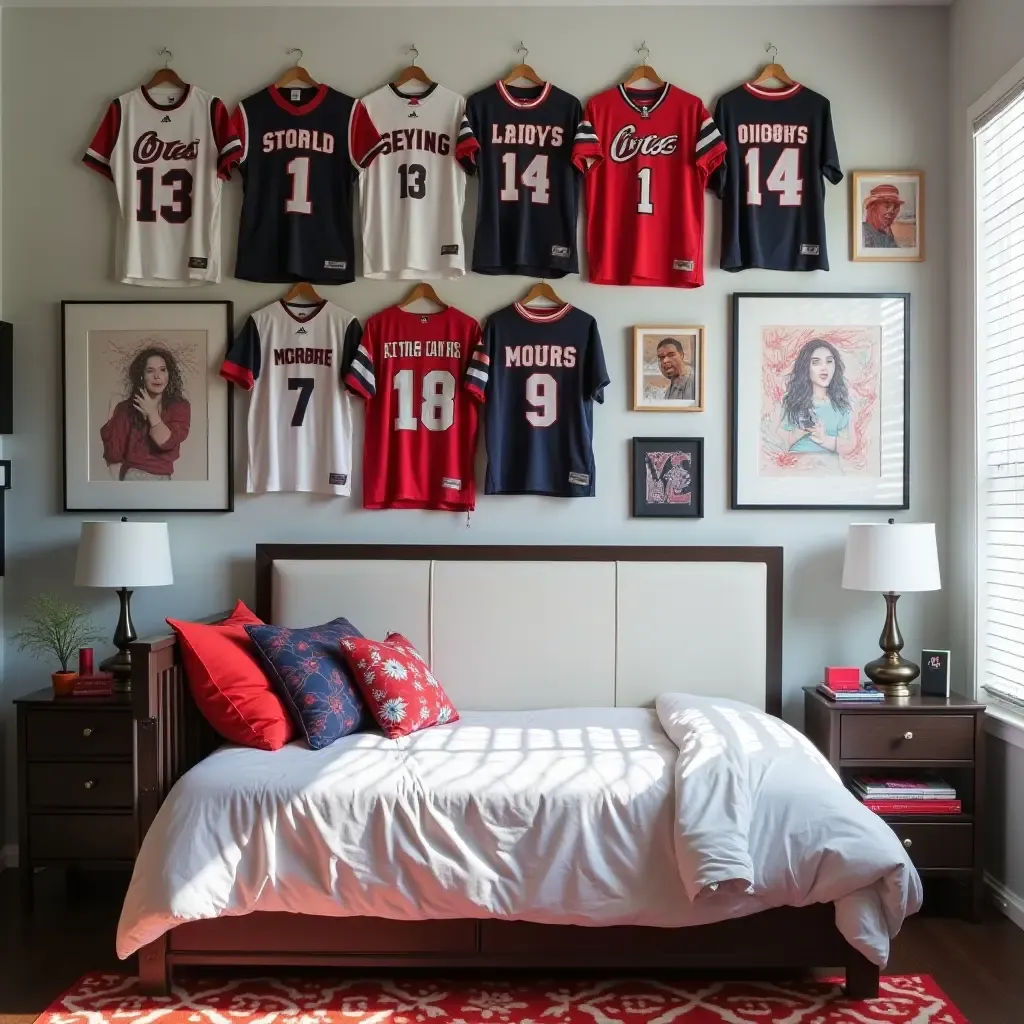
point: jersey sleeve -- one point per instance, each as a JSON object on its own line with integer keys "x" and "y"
{"x": 241, "y": 366}
{"x": 467, "y": 145}
{"x": 710, "y": 147}
{"x": 240, "y": 129}
{"x": 829, "y": 154}
{"x": 229, "y": 147}
{"x": 361, "y": 376}
{"x": 478, "y": 371}
{"x": 595, "y": 373}
{"x": 364, "y": 141}
{"x": 353, "y": 338}
{"x": 97, "y": 155}
{"x": 718, "y": 179}
{"x": 586, "y": 144}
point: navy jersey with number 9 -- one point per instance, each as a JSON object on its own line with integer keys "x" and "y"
{"x": 546, "y": 369}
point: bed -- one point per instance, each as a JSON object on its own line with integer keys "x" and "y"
{"x": 562, "y": 663}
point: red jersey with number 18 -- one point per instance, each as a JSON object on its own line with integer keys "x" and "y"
{"x": 420, "y": 374}
{"x": 646, "y": 172}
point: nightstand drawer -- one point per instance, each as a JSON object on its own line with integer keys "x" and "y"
{"x": 85, "y": 784}
{"x": 81, "y": 836}
{"x": 884, "y": 737}
{"x": 79, "y": 733}
{"x": 936, "y": 844}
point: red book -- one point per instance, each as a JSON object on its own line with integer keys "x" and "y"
{"x": 842, "y": 678}
{"x": 99, "y": 685}
{"x": 913, "y": 806}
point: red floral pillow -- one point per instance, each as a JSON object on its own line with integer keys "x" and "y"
{"x": 399, "y": 689}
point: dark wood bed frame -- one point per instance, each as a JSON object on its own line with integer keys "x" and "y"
{"x": 171, "y": 736}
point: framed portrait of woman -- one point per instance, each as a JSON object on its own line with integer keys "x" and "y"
{"x": 147, "y": 419}
{"x": 820, "y": 398}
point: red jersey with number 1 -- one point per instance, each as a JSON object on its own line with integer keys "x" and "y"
{"x": 645, "y": 179}
{"x": 422, "y": 375}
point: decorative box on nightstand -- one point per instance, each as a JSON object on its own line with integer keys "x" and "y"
{"x": 944, "y": 735}
{"x": 76, "y": 783}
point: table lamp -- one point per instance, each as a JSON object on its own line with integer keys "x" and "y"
{"x": 124, "y": 556}
{"x": 894, "y": 558}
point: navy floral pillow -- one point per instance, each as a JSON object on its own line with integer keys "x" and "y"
{"x": 307, "y": 669}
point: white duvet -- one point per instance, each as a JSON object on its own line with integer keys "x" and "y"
{"x": 694, "y": 812}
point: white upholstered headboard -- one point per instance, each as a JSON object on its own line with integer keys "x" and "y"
{"x": 529, "y": 627}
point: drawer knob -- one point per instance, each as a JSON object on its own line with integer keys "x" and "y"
{"x": 908, "y": 843}
{"x": 89, "y": 783}
{"x": 908, "y": 735}
{"x": 87, "y": 732}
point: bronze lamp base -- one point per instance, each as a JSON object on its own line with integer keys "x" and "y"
{"x": 891, "y": 673}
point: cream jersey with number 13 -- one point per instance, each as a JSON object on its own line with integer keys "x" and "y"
{"x": 413, "y": 193}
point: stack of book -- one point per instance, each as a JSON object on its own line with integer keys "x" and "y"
{"x": 96, "y": 684}
{"x": 851, "y": 693}
{"x": 901, "y": 795}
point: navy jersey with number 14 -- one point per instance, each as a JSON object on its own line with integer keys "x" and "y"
{"x": 545, "y": 370}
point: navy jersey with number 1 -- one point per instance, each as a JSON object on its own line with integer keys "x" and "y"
{"x": 545, "y": 370}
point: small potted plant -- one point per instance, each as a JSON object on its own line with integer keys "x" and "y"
{"x": 59, "y": 628}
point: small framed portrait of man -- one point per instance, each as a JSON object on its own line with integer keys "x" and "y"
{"x": 888, "y": 216}
{"x": 668, "y": 369}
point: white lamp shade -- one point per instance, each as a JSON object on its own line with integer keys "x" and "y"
{"x": 124, "y": 554}
{"x": 891, "y": 557}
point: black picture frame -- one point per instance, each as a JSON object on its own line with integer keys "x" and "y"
{"x": 228, "y": 503}
{"x": 735, "y": 503}
{"x": 671, "y": 508}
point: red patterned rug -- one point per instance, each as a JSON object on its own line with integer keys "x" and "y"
{"x": 115, "y": 999}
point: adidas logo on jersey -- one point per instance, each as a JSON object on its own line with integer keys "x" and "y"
{"x": 165, "y": 119}
{"x": 414, "y": 114}
{"x": 302, "y": 330}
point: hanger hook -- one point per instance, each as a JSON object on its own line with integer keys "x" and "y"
{"x": 521, "y": 49}
{"x": 415, "y": 54}
{"x": 644, "y": 52}
{"x": 170, "y": 56}
{"x": 773, "y": 50}
{"x": 295, "y": 49}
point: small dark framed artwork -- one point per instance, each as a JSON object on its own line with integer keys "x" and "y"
{"x": 668, "y": 477}
{"x": 935, "y": 673}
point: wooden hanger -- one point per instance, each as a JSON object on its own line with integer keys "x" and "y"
{"x": 643, "y": 70}
{"x": 773, "y": 70}
{"x": 296, "y": 73}
{"x": 523, "y": 70}
{"x": 166, "y": 75}
{"x": 302, "y": 291}
{"x": 422, "y": 291}
{"x": 412, "y": 73}
{"x": 541, "y": 290}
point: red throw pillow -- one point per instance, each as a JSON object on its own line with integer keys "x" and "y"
{"x": 228, "y": 683}
{"x": 396, "y": 684}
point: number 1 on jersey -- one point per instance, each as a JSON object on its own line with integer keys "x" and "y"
{"x": 645, "y": 205}
{"x": 298, "y": 171}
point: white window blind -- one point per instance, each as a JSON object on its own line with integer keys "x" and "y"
{"x": 999, "y": 220}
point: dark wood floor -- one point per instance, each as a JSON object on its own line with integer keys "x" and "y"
{"x": 71, "y": 931}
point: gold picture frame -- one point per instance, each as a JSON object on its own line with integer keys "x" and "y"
{"x": 679, "y": 366}
{"x": 894, "y": 233}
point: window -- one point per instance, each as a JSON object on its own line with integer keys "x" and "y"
{"x": 999, "y": 284}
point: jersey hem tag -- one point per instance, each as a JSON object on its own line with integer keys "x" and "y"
{"x": 560, "y": 251}
{"x": 337, "y": 479}
{"x": 451, "y": 483}
{"x": 580, "y": 479}
{"x": 449, "y": 250}
{"x": 810, "y": 250}
{"x": 335, "y": 264}
{"x": 683, "y": 265}
{"x": 198, "y": 263}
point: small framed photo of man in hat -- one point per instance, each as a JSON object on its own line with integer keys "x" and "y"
{"x": 888, "y": 216}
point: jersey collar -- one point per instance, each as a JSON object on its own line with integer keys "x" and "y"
{"x": 412, "y": 99}
{"x": 646, "y": 111}
{"x": 148, "y": 97}
{"x": 773, "y": 94}
{"x": 302, "y": 319}
{"x": 311, "y": 104}
{"x": 519, "y": 104}
{"x": 540, "y": 315}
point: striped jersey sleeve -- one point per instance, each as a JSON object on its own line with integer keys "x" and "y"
{"x": 240, "y": 128}
{"x": 360, "y": 376}
{"x": 364, "y": 141}
{"x": 467, "y": 145}
{"x": 586, "y": 145}
{"x": 97, "y": 155}
{"x": 478, "y": 371}
{"x": 709, "y": 149}
{"x": 229, "y": 147}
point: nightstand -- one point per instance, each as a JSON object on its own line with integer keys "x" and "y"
{"x": 945, "y": 735}
{"x": 76, "y": 783}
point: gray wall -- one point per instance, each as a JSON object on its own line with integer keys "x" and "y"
{"x": 883, "y": 69}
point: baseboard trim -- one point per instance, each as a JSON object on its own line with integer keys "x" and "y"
{"x": 8, "y": 856}
{"x": 1005, "y": 900}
